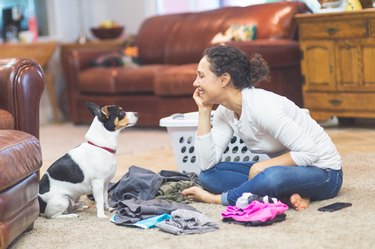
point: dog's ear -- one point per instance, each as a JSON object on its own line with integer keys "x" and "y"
{"x": 94, "y": 109}
{"x": 104, "y": 111}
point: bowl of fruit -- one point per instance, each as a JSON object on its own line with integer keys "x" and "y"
{"x": 107, "y": 29}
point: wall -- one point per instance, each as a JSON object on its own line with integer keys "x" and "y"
{"x": 68, "y": 16}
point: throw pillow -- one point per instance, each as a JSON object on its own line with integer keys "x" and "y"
{"x": 109, "y": 60}
{"x": 123, "y": 58}
{"x": 236, "y": 32}
{"x": 131, "y": 56}
{"x": 130, "y": 52}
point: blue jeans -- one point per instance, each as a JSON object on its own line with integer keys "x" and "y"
{"x": 231, "y": 179}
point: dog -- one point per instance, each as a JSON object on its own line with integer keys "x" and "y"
{"x": 88, "y": 168}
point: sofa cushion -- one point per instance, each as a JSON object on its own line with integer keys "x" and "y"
{"x": 176, "y": 80}
{"x": 20, "y": 156}
{"x": 118, "y": 80}
{"x": 6, "y": 120}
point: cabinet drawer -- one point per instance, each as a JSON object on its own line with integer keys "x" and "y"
{"x": 340, "y": 101}
{"x": 334, "y": 29}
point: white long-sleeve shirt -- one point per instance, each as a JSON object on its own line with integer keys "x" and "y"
{"x": 270, "y": 124}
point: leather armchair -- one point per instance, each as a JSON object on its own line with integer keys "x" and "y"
{"x": 21, "y": 87}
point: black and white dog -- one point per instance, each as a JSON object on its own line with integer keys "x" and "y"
{"x": 86, "y": 169}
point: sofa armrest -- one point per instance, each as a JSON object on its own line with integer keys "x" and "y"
{"x": 277, "y": 53}
{"x": 21, "y": 88}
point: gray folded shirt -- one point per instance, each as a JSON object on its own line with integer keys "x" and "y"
{"x": 187, "y": 222}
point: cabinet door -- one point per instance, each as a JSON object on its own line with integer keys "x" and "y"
{"x": 318, "y": 65}
{"x": 355, "y": 60}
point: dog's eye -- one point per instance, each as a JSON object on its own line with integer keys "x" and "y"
{"x": 122, "y": 114}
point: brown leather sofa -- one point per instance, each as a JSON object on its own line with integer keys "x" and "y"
{"x": 21, "y": 87}
{"x": 170, "y": 46}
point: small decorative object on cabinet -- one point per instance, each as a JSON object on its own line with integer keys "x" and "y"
{"x": 328, "y": 6}
{"x": 352, "y": 5}
{"x": 330, "y": 3}
{"x": 338, "y": 57}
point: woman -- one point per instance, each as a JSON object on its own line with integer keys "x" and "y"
{"x": 304, "y": 165}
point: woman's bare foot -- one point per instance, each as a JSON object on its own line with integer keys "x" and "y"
{"x": 201, "y": 195}
{"x": 299, "y": 203}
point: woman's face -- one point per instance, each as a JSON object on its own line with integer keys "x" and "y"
{"x": 207, "y": 83}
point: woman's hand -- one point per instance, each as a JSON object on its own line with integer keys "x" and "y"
{"x": 256, "y": 168}
{"x": 204, "y": 111}
{"x": 199, "y": 101}
{"x": 282, "y": 160}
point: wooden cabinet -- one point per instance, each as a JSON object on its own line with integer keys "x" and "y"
{"x": 338, "y": 63}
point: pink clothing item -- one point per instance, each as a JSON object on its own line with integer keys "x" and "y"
{"x": 255, "y": 211}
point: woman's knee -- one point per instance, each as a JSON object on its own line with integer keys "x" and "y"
{"x": 330, "y": 188}
{"x": 337, "y": 182}
{"x": 253, "y": 172}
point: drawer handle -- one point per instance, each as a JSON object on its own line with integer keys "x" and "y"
{"x": 332, "y": 31}
{"x": 347, "y": 45}
{"x": 335, "y": 102}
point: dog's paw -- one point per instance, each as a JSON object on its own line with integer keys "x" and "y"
{"x": 80, "y": 206}
{"x": 102, "y": 216}
{"x": 65, "y": 216}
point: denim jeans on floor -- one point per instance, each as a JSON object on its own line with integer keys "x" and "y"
{"x": 231, "y": 179}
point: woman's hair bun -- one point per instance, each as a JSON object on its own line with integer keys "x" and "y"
{"x": 259, "y": 70}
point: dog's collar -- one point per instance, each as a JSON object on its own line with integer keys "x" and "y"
{"x": 104, "y": 148}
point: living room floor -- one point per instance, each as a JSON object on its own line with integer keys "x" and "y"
{"x": 151, "y": 148}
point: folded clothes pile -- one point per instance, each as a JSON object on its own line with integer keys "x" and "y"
{"x": 146, "y": 199}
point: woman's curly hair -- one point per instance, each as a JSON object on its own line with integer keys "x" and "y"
{"x": 244, "y": 71}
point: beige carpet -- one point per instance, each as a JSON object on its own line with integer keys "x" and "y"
{"x": 352, "y": 227}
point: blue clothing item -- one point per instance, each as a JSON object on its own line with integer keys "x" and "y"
{"x": 231, "y": 179}
{"x": 146, "y": 223}
{"x": 151, "y": 222}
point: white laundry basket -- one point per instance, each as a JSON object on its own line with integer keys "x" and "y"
{"x": 182, "y": 128}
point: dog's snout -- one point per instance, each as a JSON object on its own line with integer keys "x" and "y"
{"x": 136, "y": 114}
